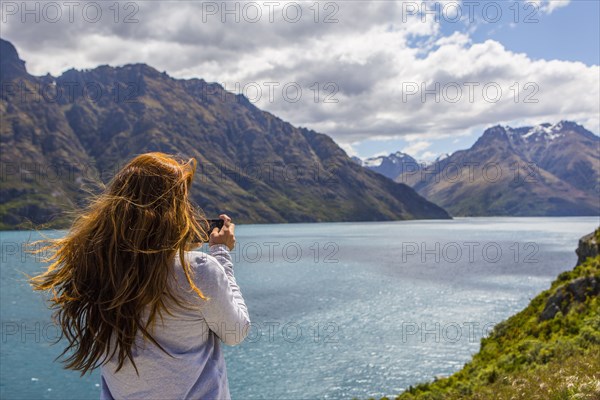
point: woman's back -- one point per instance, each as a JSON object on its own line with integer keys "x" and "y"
{"x": 195, "y": 368}
{"x": 132, "y": 299}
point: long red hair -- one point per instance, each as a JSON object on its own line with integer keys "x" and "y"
{"x": 116, "y": 259}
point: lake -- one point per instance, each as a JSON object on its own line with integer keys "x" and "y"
{"x": 339, "y": 310}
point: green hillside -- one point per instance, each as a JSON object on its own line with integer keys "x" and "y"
{"x": 550, "y": 350}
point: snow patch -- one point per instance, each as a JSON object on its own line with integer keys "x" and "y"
{"x": 442, "y": 157}
{"x": 544, "y": 131}
{"x": 373, "y": 162}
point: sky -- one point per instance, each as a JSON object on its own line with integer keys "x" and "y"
{"x": 425, "y": 78}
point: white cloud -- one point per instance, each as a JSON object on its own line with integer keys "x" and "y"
{"x": 380, "y": 154}
{"x": 364, "y": 63}
{"x": 428, "y": 156}
{"x": 347, "y": 147}
{"x": 415, "y": 149}
{"x": 457, "y": 38}
{"x": 548, "y": 6}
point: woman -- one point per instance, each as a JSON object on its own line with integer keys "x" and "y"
{"x": 129, "y": 296}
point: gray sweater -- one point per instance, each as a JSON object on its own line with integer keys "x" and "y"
{"x": 195, "y": 368}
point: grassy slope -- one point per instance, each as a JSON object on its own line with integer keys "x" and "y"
{"x": 527, "y": 358}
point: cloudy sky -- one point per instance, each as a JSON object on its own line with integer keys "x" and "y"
{"x": 378, "y": 76}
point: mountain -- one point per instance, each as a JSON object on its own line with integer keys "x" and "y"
{"x": 11, "y": 66}
{"x": 544, "y": 170}
{"x": 567, "y": 150}
{"x": 549, "y": 350}
{"x": 441, "y": 157}
{"x": 357, "y": 160}
{"x": 393, "y": 165}
{"x": 62, "y": 138}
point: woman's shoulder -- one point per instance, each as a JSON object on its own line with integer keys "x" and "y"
{"x": 204, "y": 263}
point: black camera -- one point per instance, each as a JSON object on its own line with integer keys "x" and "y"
{"x": 208, "y": 226}
{"x": 214, "y": 223}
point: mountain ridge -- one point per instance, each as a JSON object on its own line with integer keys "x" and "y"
{"x": 251, "y": 163}
{"x": 542, "y": 170}
{"x": 390, "y": 166}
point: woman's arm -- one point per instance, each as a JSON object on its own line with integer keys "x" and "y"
{"x": 225, "y": 311}
{"x": 235, "y": 322}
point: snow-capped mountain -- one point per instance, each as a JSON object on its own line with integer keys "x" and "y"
{"x": 547, "y": 169}
{"x": 442, "y": 156}
{"x": 392, "y": 165}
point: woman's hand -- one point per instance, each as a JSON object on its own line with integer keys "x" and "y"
{"x": 224, "y": 236}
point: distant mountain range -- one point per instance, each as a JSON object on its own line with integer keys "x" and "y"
{"x": 391, "y": 166}
{"x": 544, "y": 170}
{"x": 395, "y": 164}
{"x": 62, "y": 137}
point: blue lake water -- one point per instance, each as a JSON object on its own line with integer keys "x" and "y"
{"x": 339, "y": 310}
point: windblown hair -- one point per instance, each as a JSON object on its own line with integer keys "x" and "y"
{"x": 116, "y": 260}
